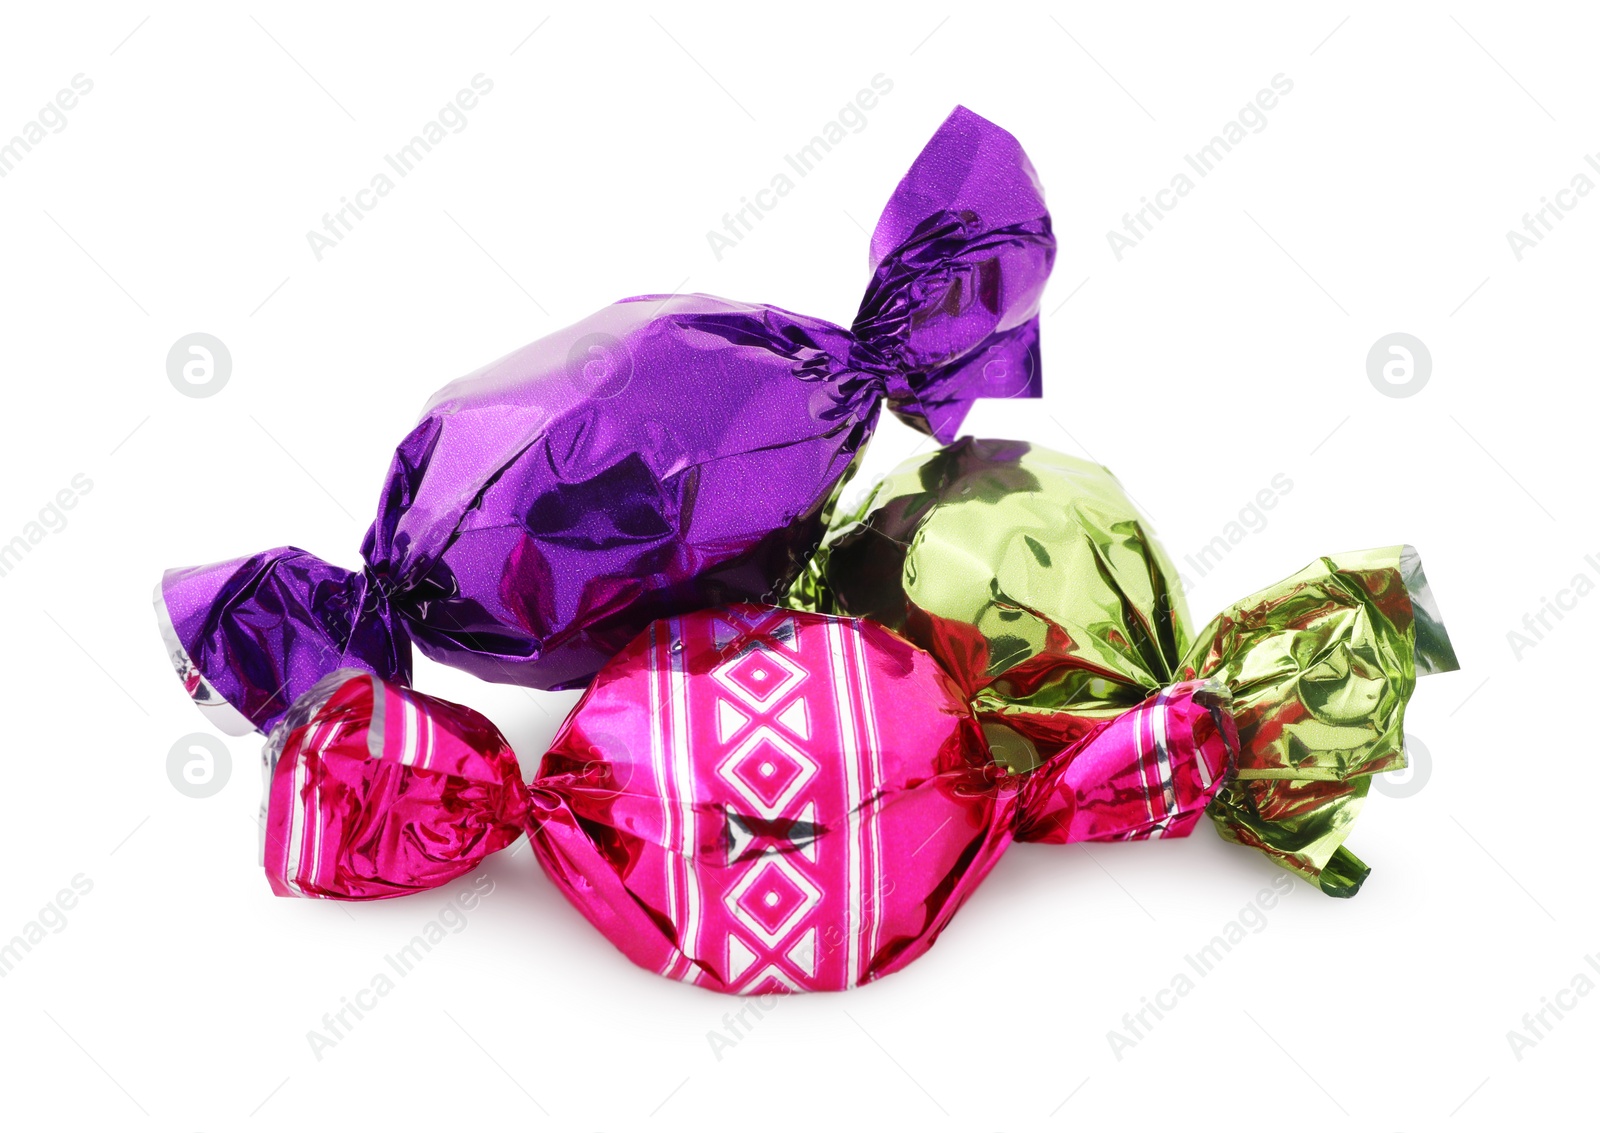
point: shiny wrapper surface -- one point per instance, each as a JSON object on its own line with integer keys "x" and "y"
{"x": 668, "y": 453}
{"x": 750, "y": 799}
{"x": 1038, "y": 585}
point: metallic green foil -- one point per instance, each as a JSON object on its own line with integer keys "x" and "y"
{"x": 1035, "y": 580}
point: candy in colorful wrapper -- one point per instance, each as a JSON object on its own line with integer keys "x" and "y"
{"x": 669, "y": 453}
{"x": 750, "y": 799}
{"x": 1038, "y": 585}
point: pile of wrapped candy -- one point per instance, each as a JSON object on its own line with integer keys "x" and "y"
{"x": 807, "y": 733}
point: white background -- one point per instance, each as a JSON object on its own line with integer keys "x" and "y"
{"x": 1228, "y": 347}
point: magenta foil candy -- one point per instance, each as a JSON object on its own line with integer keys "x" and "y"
{"x": 666, "y": 454}
{"x": 750, "y": 799}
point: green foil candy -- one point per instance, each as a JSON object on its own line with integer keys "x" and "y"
{"x": 1044, "y": 592}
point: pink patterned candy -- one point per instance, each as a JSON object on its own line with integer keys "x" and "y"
{"x": 374, "y": 791}
{"x": 750, "y": 799}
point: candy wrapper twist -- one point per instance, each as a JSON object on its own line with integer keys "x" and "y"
{"x": 757, "y": 799}
{"x": 668, "y": 453}
{"x": 810, "y": 732}
{"x": 1041, "y": 589}
{"x": 750, "y": 799}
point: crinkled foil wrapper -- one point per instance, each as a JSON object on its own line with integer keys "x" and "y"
{"x": 668, "y": 453}
{"x": 1036, "y": 582}
{"x": 749, "y": 799}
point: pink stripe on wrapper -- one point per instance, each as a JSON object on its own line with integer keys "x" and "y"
{"x": 364, "y": 793}
{"x": 750, "y": 799}
{"x": 768, "y": 743}
{"x": 1149, "y": 772}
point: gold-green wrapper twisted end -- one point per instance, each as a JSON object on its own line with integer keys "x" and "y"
{"x": 1036, "y": 581}
{"x": 1321, "y": 666}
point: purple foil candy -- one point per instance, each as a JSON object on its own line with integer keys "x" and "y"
{"x": 668, "y": 453}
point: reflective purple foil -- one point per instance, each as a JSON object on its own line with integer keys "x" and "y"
{"x": 666, "y": 454}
